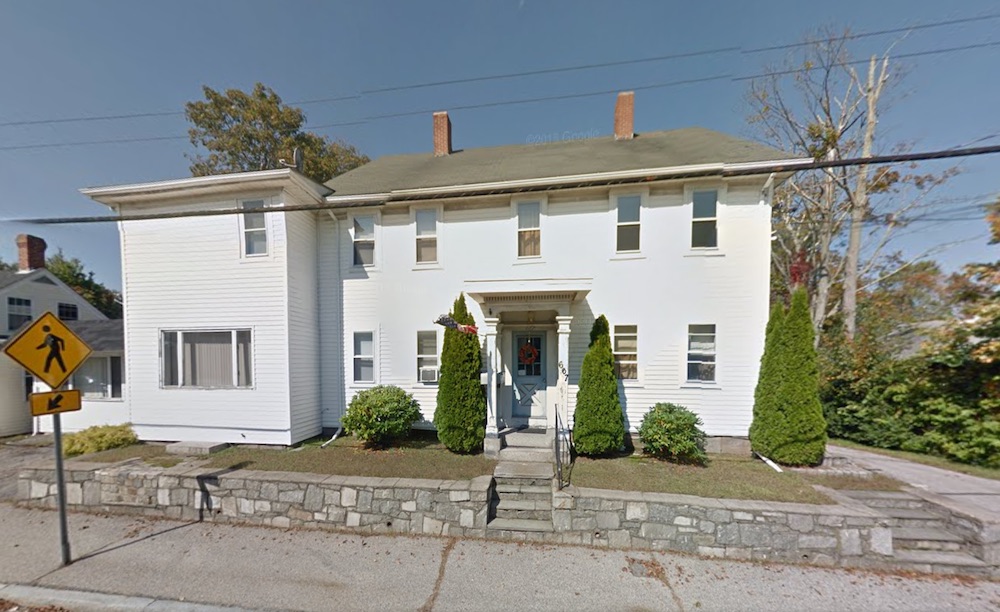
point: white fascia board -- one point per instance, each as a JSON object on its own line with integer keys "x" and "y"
{"x": 555, "y": 181}
{"x": 136, "y": 193}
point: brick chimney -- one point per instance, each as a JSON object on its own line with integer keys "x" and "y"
{"x": 30, "y": 252}
{"x": 625, "y": 116}
{"x": 442, "y": 134}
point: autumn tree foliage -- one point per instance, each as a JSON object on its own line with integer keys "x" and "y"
{"x": 238, "y": 131}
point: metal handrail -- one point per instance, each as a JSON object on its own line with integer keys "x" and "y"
{"x": 563, "y": 442}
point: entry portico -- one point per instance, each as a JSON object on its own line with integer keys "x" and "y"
{"x": 527, "y": 329}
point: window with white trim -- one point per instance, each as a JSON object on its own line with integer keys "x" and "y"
{"x": 364, "y": 357}
{"x": 626, "y": 351}
{"x": 426, "y": 222}
{"x": 99, "y": 378}
{"x": 18, "y": 312}
{"x": 216, "y": 359}
{"x": 627, "y": 234}
{"x": 701, "y": 353}
{"x": 68, "y": 312}
{"x": 254, "y": 228}
{"x": 427, "y": 357}
{"x": 363, "y": 235}
{"x": 704, "y": 222}
{"x": 529, "y": 229}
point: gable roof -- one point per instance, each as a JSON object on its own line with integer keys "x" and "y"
{"x": 107, "y": 335}
{"x": 12, "y": 277}
{"x": 674, "y": 148}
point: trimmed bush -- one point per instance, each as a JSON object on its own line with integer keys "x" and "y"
{"x": 598, "y": 423}
{"x": 460, "y": 416}
{"x": 98, "y": 438}
{"x": 789, "y": 425}
{"x": 669, "y": 431}
{"x": 380, "y": 415}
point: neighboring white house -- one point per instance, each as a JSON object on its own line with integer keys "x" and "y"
{"x": 260, "y": 327}
{"x": 26, "y": 294}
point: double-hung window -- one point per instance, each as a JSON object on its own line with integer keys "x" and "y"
{"x": 68, "y": 312}
{"x": 364, "y": 357}
{"x": 99, "y": 378}
{"x": 701, "y": 353}
{"x": 426, "y": 222}
{"x": 206, "y": 359}
{"x": 18, "y": 312}
{"x": 254, "y": 228}
{"x": 427, "y": 357}
{"x": 627, "y": 352}
{"x": 704, "y": 222}
{"x": 627, "y": 235}
{"x": 529, "y": 229}
{"x": 364, "y": 240}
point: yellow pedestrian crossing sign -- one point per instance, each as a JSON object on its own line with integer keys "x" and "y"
{"x": 49, "y": 350}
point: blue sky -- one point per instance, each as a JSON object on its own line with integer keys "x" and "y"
{"x": 63, "y": 60}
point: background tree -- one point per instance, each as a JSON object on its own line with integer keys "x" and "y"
{"x": 598, "y": 423}
{"x": 817, "y": 105}
{"x": 460, "y": 416}
{"x": 791, "y": 429}
{"x": 72, "y": 272}
{"x": 6, "y": 267}
{"x": 252, "y": 131}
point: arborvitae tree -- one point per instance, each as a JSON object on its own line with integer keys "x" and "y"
{"x": 598, "y": 424}
{"x": 789, "y": 426}
{"x": 460, "y": 416}
{"x": 766, "y": 418}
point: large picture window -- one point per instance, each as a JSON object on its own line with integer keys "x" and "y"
{"x": 206, "y": 359}
{"x": 529, "y": 229}
{"x": 701, "y": 353}
{"x": 18, "y": 312}
{"x": 99, "y": 378}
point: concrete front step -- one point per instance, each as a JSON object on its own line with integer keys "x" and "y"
{"x": 911, "y": 517}
{"x": 195, "y": 448}
{"x": 522, "y": 439}
{"x": 523, "y": 470}
{"x": 506, "y": 486}
{"x": 533, "y": 455}
{"x": 941, "y": 562}
{"x": 524, "y": 504}
{"x": 916, "y": 538}
{"x": 887, "y": 499}
{"x": 529, "y": 525}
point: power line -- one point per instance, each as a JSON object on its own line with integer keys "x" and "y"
{"x": 757, "y": 171}
{"x": 542, "y": 71}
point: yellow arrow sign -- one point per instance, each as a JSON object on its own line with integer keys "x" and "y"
{"x": 49, "y": 350}
{"x": 54, "y": 402}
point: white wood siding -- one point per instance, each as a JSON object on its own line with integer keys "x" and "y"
{"x": 15, "y": 416}
{"x": 667, "y": 287}
{"x": 331, "y": 322}
{"x": 190, "y": 274}
{"x": 45, "y": 297}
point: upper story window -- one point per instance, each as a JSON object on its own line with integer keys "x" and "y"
{"x": 214, "y": 359}
{"x": 626, "y": 350}
{"x": 529, "y": 232}
{"x": 254, "y": 228}
{"x": 426, "y": 222}
{"x": 18, "y": 312}
{"x": 704, "y": 234}
{"x": 701, "y": 353}
{"x": 364, "y": 357}
{"x": 427, "y": 357}
{"x": 364, "y": 240}
{"x": 627, "y": 236}
{"x": 68, "y": 312}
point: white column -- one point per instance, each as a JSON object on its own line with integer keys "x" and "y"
{"x": 563, "y": 386}
{"x": 491, "y": 376}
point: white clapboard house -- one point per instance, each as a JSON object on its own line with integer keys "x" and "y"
{"x": 260, "y": 327}
{"x": 26, "y": 294}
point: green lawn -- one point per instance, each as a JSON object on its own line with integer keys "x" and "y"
{"x": 939, "y": 462}
{"x": 725, "y": 476}
{"x": 421, "y": 456}
{"x": 153, "y": 454}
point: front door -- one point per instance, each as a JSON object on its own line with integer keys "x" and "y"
{"x": 529, "y": 378}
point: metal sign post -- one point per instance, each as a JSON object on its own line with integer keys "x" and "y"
{"x": 61, "y": 490}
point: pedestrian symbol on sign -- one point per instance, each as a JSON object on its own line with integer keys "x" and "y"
{"x": 55, "y": 345}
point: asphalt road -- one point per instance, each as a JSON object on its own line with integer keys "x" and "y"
{"x": 266, "y": 568}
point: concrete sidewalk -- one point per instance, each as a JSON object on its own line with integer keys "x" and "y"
{"x": 158, "y": 564}
{"x": 979, "y": 495}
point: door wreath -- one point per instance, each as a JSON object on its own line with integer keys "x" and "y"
{"x": 528, "y": 354}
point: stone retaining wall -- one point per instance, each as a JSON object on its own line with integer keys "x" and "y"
{"x": 833, "y": 535}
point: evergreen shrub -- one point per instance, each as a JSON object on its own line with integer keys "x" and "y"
{"x": 382, "y": 414}
{"x": 598, "y": 423}
{"x": 460, "y": 417}
{"x": 98, "y": 438}
{"x": 669, "y": 431}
